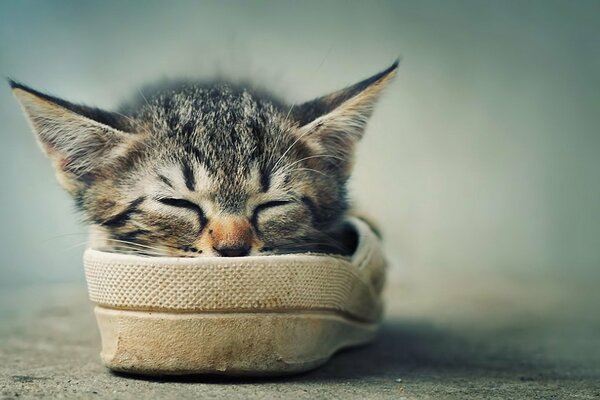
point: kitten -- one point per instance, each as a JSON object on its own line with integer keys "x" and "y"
{"x": 209, "y": 169}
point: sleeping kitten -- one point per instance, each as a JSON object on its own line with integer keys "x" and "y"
{"x": 208, "y": 169}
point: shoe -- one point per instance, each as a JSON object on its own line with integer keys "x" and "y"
{"x": 240, "y": 316}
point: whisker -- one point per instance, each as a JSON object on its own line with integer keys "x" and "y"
{"x": 63, "y": 235}
{"x": 290, "y": 148}
{"x": 75, "y": 246}
{"x": 285, "y": 167}
{"x": 135, "y": 244}
{"x": 314, "y": 73}
{"x": 132, "y": 121}
{"x": 136, "y": 250}
{"x": 121, "y": 247}
{"x": 152, "y": 112}
{"x": 308, "y": 169}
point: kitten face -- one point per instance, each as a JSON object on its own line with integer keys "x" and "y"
{"x": 208, "y": 169}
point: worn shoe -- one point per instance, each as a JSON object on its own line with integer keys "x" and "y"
{"x": 257, "y": 315}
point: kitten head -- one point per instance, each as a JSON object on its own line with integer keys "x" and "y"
{"x": 208, "y": 169}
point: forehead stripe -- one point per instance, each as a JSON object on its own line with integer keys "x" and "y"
{"x": 165, "y": 180}
{"x": 265, "y": 180}
{"x": 188, "y": 175}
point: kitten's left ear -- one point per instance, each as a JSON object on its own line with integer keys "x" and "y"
{"x": 332, "y": 124}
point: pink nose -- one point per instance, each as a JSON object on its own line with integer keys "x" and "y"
{"x": 231, "y": 236}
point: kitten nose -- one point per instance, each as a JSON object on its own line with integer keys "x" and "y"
{"x": 231, "y": 236}
{"x": 233, "y": 251}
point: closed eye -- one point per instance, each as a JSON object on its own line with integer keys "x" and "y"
{"x": 264, "y": 206}
{"x": 182, "y": 203}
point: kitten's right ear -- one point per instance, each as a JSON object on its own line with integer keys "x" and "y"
{"x": 79, "y": 140}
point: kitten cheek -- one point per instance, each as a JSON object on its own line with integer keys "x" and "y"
{"x": 274, "y": 227}
{"x": 176, "y": 231}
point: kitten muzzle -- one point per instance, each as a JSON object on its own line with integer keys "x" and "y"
{"x": 231, "y": 236}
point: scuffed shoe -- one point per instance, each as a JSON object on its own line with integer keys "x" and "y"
{"x": 257, "y": 315}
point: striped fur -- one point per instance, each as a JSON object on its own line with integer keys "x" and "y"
{"x": 194, "y": 169}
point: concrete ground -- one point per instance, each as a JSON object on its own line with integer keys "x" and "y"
{"x": 444, "y": 337}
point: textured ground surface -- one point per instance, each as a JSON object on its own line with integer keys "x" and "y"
{"x": 443, "y": 338}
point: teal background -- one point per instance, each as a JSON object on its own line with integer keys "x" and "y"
{"x": 483, "y": 158}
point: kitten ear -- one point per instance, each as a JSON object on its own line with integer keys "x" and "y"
{"x": 79, "y": 140}
{"x": 332, "y": 124}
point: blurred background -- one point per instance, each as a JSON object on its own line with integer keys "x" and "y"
{"x": 481, "y": 161}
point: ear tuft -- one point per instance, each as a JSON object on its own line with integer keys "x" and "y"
{"x": 12, "y": 83}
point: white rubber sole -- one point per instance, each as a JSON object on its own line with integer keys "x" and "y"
{"x": 235, "y": 344}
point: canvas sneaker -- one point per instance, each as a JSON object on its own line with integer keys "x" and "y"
{"x": 257, "y": 315}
